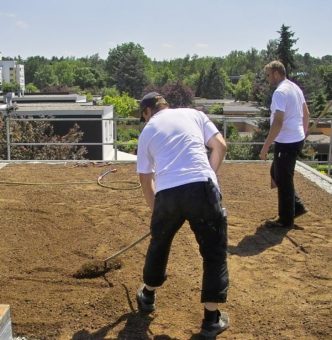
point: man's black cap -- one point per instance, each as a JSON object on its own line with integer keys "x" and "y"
{"x": 151, "y": 99}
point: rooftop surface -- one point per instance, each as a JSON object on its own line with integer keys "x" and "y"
{"x": 56, "y": 218}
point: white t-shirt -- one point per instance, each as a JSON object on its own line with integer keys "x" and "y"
{"x": 172, "y": 146}
{"x": 288, "y": 98}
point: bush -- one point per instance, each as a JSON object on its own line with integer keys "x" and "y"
{"x": 322, "y": 168}
{"x": 129, "y": 146}
{"x": 177, "y": 95}
{"x": 10, "y": 87}
{"x": 31, "y": 88}
{"x": 124, "y": 105}
{"x": 216, "y": 109}
{"x": 110, "y": 91}
{"x": 40, "y": 132}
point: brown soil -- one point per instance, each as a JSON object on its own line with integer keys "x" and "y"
{"x": 280, "y": 282}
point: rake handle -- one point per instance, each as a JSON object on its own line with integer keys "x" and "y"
{"x": 127, "y": 247}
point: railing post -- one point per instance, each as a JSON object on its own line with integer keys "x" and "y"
{"x": 330, "y": 153}
{"x": 225, "y": 128}
{"x": 115, "y": 135}
{"x": 8, "y": 135}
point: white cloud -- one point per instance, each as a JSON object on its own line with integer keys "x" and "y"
{"x": 68, "y": 53}
{"x": 21, "y": 24}
{"x": 201, "y": 45}
{"x": 8, "y": 15}
{"x": 13, "y": 18}
{"x": 167, "y": 45}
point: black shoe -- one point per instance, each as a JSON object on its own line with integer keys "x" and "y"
{"x": 278, "y": 224}
{"x": 300, "y": 212}
{"x": 211, "y": 329}
{"x": 145, "y": 303}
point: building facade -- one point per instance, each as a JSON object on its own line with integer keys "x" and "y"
{"x": 12, "y": 72}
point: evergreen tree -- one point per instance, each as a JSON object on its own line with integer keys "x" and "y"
{"x": 327, "y": 77}
{"x": 126, "y": 65}
{"x": 285, "y": 52}
{"x": 318, "y": 105}
{"x": 201, "y": 78}
{"x": 213, "y": 84}
{"x": 271, "y": 51}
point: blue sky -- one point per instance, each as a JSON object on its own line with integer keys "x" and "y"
{"x": 165, "y": 29}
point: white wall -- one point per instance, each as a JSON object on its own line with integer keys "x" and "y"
{"x": 108, "y": 137}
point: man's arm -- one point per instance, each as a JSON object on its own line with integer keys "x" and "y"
{"x": 273, "y": 133}
{"x": 147, "y": 182}
{"x": 218, "y": 147}
{"x": 306, "y": 115}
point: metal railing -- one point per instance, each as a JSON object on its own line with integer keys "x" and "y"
{"x": 225, "y": 120}
{"x": 230, "y": 120}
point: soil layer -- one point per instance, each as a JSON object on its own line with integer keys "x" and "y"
{"x": 56, "y": 218}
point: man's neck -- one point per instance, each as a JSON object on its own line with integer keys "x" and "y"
{"x": 280, "y": 80}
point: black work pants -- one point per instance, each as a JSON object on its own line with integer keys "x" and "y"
{"x": 282, "y": 172}
{"x": 199, "y": 203}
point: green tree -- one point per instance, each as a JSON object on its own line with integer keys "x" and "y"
{"x": 192, "y": 81}
{"x": 31, "y": 66}
{"x": 285, "y": 49}
{"x": 98, "y": 67}
{"x": 262, "y": 94}
{"x": 326, "y": 72}
{"x": 31, "y": 88}
{"x": 263, "y": 127}
{"x": 213, "y": 86}
{"x": 65, "y": 72}
{"x": 45, "y": 76}
{"x": 318, "y": 105}
{"x": 85, "y": 78}
{"x": 164, "y": 77}
{"x": 253, "y": 61}
{"x": 200, "y": 83}
{"x": 244, "y": 87}
{"x": 271, "y": 51}
{"x": 126, "y": 65}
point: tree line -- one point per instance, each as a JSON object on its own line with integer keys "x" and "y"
{"x": 127, "y": 73}
{"x": 129, "y": 70}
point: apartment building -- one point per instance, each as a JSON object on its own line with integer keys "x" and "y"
{"x": 11, "y": 71}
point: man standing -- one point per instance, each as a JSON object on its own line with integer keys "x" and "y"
{"x": 289, "y": 125}
{"x": 179, "y": 183}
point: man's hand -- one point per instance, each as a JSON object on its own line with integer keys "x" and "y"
{"x": 263, "y": 154}
{"x": 217, "y": 146}
{"x": 147, "y": 182}
{"x": 273, "y": 133}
